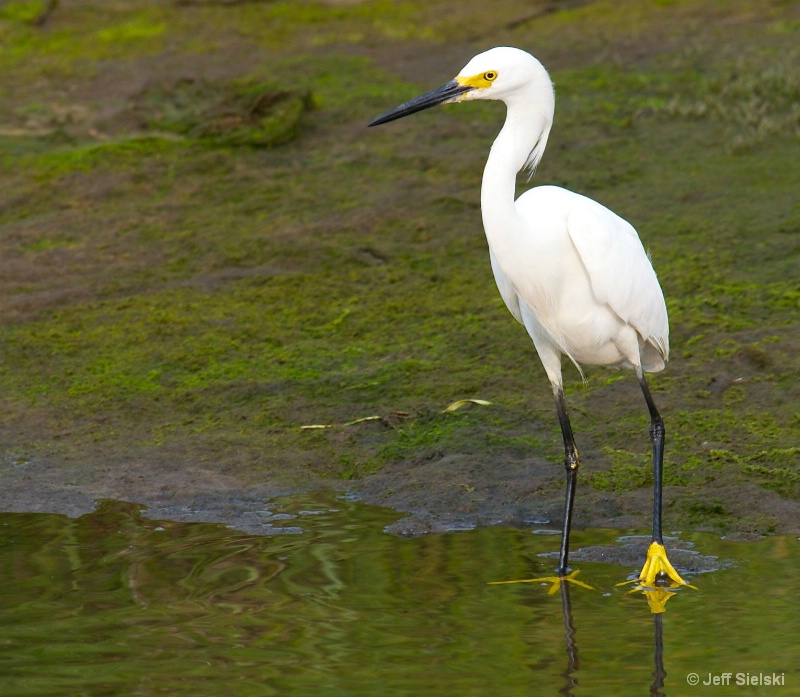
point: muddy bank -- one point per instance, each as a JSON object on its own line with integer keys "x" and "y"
{"x": 450, "y": 493}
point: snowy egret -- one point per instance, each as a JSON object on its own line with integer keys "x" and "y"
{"x": 571, "y": 271}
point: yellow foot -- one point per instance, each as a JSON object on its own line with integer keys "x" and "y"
{"x": 657, "y": 572}
{"x": 657, "y": 569}
{"x": 657, "y": 578}
{"x": 555, "y": 580}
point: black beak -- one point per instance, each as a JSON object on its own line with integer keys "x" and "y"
{"x": 446, "y": 93}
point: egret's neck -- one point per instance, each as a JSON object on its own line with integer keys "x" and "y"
{"x": 521, "y": 142}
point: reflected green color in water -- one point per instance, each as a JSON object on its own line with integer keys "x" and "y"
{"x": 114, "y": 603}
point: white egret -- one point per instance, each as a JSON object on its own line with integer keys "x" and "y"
{"x": 571, "y": 271}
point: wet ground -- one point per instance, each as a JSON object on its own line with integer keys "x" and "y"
{"x": 447, "y": 494}
{"x": 175, "y": 310}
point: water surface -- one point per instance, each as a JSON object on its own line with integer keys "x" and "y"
{"x": 114, "y": 603}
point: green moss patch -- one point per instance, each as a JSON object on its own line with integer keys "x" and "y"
{"x": 193, "y": 265}
{"x": 251, "y": 113}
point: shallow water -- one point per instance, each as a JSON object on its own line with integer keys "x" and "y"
{"x": 114, "y": 603}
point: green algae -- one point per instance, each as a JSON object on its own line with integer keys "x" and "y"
{"x": 247, "y": 113}
{"x": 228, "y": 296}
{"x": 69, "y": 52}
{"x": 22, "y": 11}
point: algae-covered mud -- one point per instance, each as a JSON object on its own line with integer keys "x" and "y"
{"x": 216, "y": 285}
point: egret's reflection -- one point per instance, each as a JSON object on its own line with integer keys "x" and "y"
{"x": 656, "y": 601}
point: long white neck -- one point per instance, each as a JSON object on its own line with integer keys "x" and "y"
{"x": 520, "y": 143}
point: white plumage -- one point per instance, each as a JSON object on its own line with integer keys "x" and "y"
{"x": 576, "y": 275}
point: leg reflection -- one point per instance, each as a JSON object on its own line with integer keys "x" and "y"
{"x": 659, "y": 674}
{"x": 570, "y": 678}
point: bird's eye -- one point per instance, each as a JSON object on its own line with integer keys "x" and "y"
{"x": 490, "y": 75}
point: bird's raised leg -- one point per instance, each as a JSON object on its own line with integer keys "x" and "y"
{"x": 571, "y": 464}
{"x": 657, "y": 569}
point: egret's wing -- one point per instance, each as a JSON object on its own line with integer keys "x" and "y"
{"x": 619, "y": 270}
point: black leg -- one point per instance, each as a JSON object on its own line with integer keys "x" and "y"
{"x": 657, "y": 570}
{"x": 657, "y": 434}
{"x": 571, "y": 463}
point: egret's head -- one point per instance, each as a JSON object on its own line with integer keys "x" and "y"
{"x": 500, "y": 73}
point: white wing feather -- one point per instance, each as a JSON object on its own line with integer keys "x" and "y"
{"x": 619, "y": 270}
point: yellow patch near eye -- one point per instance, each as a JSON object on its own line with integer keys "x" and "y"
{"x": 480, "y": 81}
